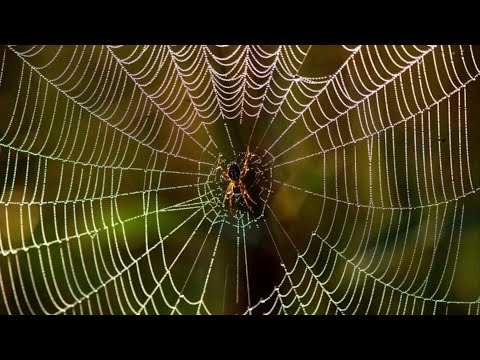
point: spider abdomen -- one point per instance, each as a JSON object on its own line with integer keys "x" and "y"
{"x": 234, "y": 172}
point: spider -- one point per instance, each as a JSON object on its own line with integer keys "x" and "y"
{"x": 235, "y": 175}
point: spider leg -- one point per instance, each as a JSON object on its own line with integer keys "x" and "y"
{"x": 219, "y": 161}
{"x": 219, "y": 167}
{"x": 246, "y": 192}
{"x": 246, "y": 195}
{"x": 225, "y": 176}
{"x": 245, "y": 164}
{"x": 228, "y": 192}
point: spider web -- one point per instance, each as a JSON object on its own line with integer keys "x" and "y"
{"x": 364, "y": 169}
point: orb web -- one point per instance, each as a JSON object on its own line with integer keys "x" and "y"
{"x": 364, "y": 171}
